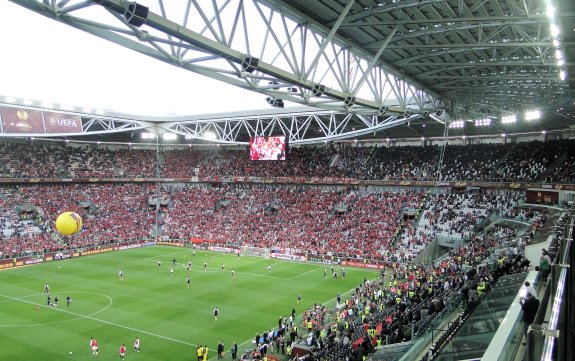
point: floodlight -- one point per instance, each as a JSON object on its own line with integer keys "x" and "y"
{"x": 148, "y": 135}
{"x": 508, "y": 119}
{"x": 457, "y": 124}
{"x": 532, "y": 115}
{"x": 482, "y": 122}
{"x": 210, "y": 135}
{"x": 169, "y": 136}
{"x": 554, "y": 30}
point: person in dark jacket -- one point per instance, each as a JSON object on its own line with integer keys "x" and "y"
{"x": 529, "y": 305}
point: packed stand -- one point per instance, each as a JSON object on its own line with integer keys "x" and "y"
{"x": 403, "y": 163}
{"x": 300, "y": 218}
{"x": 530, "y": 161}
{"x": 380, "y": 312}
{"x": 472, "y": 162}
{"x": 110, "y": 213}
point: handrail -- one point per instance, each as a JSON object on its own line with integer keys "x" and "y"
{"x": 550, "y": 339}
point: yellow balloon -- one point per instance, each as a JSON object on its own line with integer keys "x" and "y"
{"x": 68, "y": 223}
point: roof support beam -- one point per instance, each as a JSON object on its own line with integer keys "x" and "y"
{"x": 373, "y": 61}
{"x": 329, "y": 38}
{"x": 387, "y": 8}
{"x": 444, "y": 29}
{"x": 471, "y": 20}
{"x": 543, "y": 44}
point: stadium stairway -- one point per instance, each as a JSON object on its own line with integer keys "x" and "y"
{"x": 473, "y": 336}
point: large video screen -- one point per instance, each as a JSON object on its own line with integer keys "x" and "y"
{"x": 268, "y": 148}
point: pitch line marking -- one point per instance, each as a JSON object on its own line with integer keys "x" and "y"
{"x": 51, "y": 308}
{"x": 103, "y": 321}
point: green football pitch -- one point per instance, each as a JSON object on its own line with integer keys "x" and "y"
{"x": 170, "y": 318}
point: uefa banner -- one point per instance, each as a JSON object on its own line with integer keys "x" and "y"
{"x": 28, "y": 121}
{"x": 16, "y": 120}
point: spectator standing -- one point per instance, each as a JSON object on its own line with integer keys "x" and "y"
{"x": 529, "y": 305}
{"x": 234, "y": 351}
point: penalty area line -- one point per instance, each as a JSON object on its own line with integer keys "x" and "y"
{"x": 102, "y": 321}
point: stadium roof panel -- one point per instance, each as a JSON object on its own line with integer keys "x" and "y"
{"x": 469, "y": 59}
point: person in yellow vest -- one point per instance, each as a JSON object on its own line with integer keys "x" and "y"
{"x": 205, "y": 353}
{"x": 481, "y": 287}
{"x": 200, "y": 353}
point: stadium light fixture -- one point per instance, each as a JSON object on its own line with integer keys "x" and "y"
{"x": 210, "y": 135}
{"x": 188, "y": 137}
{"x": 456, "y": 124}
{"x": 148, "y": 135}
{"x": 562, "y": 75}
{"x": 485, "y": 122}
{"x": 508, "y": 119}
{"x": 558, "y": 54}
{"x": 555, "y": 42}
{"x": 169, "y": 136}
{"x": 550, "y": 11}
{"x": 275, "y": 102}
{"x": 532, "y": 115}
{"x": 554, "y": 30}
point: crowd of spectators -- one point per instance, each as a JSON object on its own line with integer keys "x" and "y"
{"x": 23, "y": 160}
{"x": 380, "y": 312}
{"x": 111, "y": 213}
{"x": 342, "y": 222}
{"x": 312, "y": 220}
{"x": 315, "y": 220}
{"x": 528, "y": 161}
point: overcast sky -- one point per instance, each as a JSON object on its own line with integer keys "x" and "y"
{"x": 42, "y": 59}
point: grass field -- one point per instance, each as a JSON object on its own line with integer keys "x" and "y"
{"x": 169, "y": 318}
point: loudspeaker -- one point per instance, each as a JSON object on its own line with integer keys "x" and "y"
{"x": 136, "y": 14}
{"x": 249, "y": 64}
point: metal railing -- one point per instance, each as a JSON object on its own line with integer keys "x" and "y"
{"x": 551, "y": 350}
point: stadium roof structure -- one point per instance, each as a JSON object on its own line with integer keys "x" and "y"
{"x": 358, "y": 69}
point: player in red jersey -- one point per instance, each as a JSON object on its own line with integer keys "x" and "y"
{"x": 94, "y": 346}
{"x": 122, "y": 351}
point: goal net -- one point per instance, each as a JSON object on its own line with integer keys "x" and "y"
{"x": 255, "y": 251}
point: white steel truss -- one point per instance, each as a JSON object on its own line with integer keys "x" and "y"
{"x": 300, "y": 126}
{"x": 299, "y": 129}
{"x": 253, "y": 44}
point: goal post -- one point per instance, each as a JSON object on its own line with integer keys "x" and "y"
{"x": 255, "y": 251}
